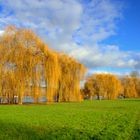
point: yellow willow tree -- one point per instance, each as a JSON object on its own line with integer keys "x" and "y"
{"x": 26, "y": 62}
{"x": 129, "y": 87}
{"x": 137, "y": 86}
{"x": 52, "y": 76}
{"x": 90, "y": 88}
{"x": 113, "y": 86}
{"x": 69, "y": 83}
{"x": 107, "y": 86}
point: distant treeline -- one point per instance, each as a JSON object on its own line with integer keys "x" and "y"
{"x": 109, "y": 86}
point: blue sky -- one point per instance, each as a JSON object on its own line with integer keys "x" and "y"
{"x": 102, "y": 34}
{"x": 128, "y": 31}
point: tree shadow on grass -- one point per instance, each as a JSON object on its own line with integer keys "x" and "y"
{"x": 136, "y": 131}
{"x": 17, "y": 131}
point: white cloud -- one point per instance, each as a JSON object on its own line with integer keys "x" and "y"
{"x": 117, "y": 73}
{"x": 57, "y": 17}
{"x": 99, "y": 19}
{"x": 1, "y": 32}
{"x": 101, "y": 56}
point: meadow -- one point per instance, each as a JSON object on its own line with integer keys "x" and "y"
{"x": 106, "y": 119}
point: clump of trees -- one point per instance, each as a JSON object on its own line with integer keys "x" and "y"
{"x": 26, "y": 63}
{"x": 102, "y": 85}
{"x": 131, "y": 87}
{"x": 109, "y": 86}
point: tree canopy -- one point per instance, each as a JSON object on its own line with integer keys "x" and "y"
{"x": 107, "y": 86}
{"x": 26, "y": 62}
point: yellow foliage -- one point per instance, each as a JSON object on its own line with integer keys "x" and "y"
{"x": 26, "y": 62}
{"x": 107, "y": 86}
{"x": 131, "y": 87}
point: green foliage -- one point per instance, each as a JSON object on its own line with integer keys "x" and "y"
{"x": 107, "y": 120}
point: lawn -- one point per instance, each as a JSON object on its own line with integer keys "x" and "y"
{"x": 107, "y": 120}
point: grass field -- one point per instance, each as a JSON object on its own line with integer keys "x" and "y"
{"x": 107, "y": 120}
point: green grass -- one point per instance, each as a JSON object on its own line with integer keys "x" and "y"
{"x": 107, "y": 120}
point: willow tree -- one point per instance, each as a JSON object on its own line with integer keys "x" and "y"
{"x": 26, "y": 62}
{"x": 130, "y": 87}
{"x": 103, "y": 85}
{"x": 69, "y": 83}
{"x": 90, "y": 88}
{"x": 137, "y": 86}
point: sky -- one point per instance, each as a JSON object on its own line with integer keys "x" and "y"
{"x": 101, "y": 34}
